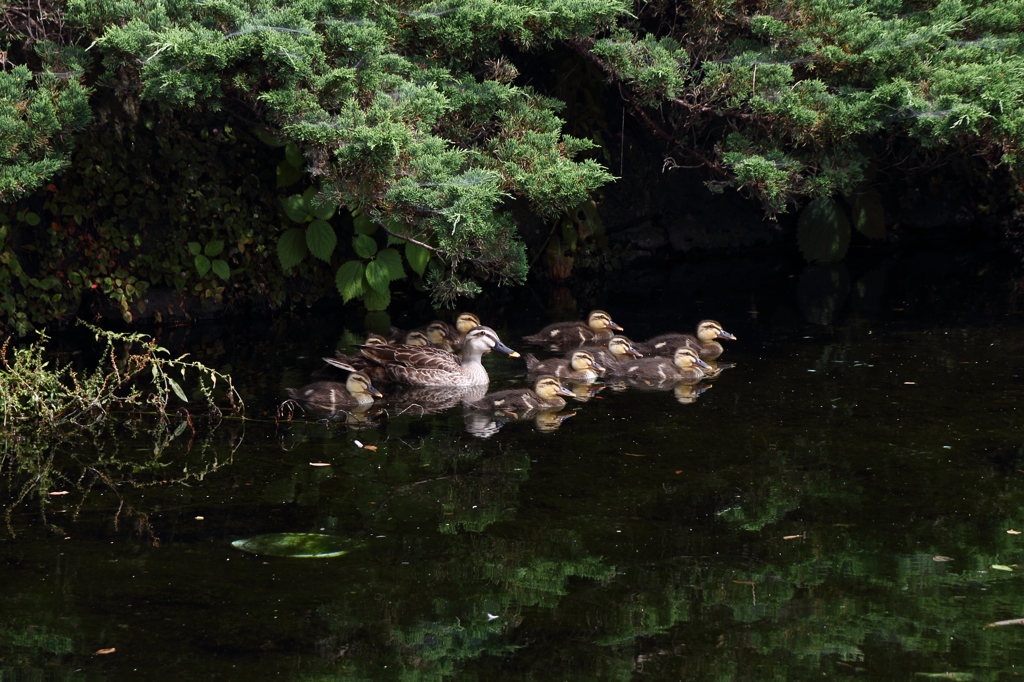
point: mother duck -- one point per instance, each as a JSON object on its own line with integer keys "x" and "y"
{"x": 429, "y": 366}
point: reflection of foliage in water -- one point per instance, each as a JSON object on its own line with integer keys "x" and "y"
{"x": 68, "y": 429}
{"x": 37, "y": 646}
{"x": 107, "y": 458}
{"x": 705, "y": 584}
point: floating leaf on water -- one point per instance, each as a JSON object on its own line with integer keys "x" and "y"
{"x": 1013, "y": 532}
{"x": 1000, "y": 567}
{"x": 1013, "y": 621}
{"x": 296, "y": 545}
{"x": 941, "y": 558}
{"x": 946, "y": 676}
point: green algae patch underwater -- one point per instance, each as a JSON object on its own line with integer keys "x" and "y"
{"x": 297, "y": 545}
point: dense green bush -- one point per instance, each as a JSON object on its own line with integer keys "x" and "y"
{"x": 405, "y": 131}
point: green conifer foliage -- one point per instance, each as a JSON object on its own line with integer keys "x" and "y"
{"x": 382, "y": 100}
{"x": 38, "y": 113}
{"x": 802, "y": 86}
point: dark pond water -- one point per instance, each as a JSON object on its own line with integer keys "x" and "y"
{"x": 845, "y": 502}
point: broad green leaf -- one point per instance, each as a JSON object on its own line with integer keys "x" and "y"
{"x": 195, "y": 248}
{"x": 349, "y": 280}
{"x": 377, "y": 300}
{"x": 294, "y": 156}
{"x": 32, "y": 219}
{"x": 393, "y": 260}
{"x": 176, "y": 388}
{"x": 202, "y": 265}
{"x": 325, "y": 211}
{"x": 291, "y": 248}
{"x": 397, "y": 228}
{"x": 320, "y": 239}
{"x": 417, "y": 256}
{"x": 297, "y": 208}
{"x": 221, "y": 269}
{"x": 364, "y": 246}
{"x": 268, "y": 138}
{"x": 214, "y": 248}
{"x": 287, "y": 174}
{"x": 823, "y": 232}
{"x": 869, "y": 215}
{"x": 48, "y": 283}
{"x": 377, "y": 275}
{"x": 362, "y": 224}
{"x": 297, "y": 545}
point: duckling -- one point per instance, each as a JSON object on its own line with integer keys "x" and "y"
{"x": 332, "y": 372}
{"x": 684, "y": 366}
{"x": 579, "y": 367}
{"x": 357, "y": 390}
{"x": 546, "y": 395}
{"x": 464, "y": 323}
{"x": 704, "y": 342}
{"x": 598, "y": 329}
{"x": 429, "y": 366}
{"x": 416, "y": 338}
{"x": 619, "y": 351}
{"x": 434, "y": 334}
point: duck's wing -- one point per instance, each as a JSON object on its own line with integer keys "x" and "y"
{"x": 665, "y": 345}
{"x": 418, "y": 357}
{"x": 562, "y": 336}
{"x": 416, "y": 365}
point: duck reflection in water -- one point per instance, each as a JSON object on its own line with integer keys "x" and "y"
{"x": 433, "y": 399}
{"x": 584, "y": 392}
{"x": 487, "y": 415}
{"x": 484, "y": 424}
{"x": 687, "y": 394}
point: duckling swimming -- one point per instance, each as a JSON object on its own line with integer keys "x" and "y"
{"x": 704, "y": 342}
{"x": 357, "y": 390}
{"x": 579, "y": 367}
{"x": 546, "y": 394}
{"x": 685, "y": 366}
{"x": 619, "y": 351}
{"x": 598, "y": 329}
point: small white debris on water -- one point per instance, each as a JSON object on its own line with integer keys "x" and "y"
{"x": 358, "y": 444}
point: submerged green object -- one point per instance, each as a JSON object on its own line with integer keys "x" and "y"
{"x": 297, "y": 545}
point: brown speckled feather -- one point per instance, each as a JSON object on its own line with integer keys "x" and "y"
{"x": 428, "y": 366}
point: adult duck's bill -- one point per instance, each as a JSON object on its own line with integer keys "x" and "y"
{"x": 502, "y": 348}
